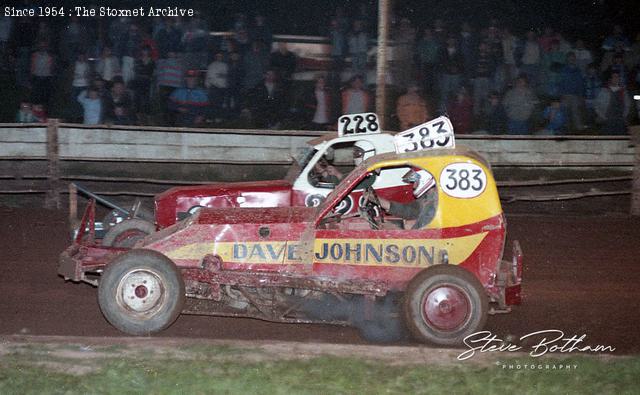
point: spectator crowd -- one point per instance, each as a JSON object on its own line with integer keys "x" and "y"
{"x": 172, "y": 71}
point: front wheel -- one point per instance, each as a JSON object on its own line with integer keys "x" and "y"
{"x": 141, "y": 292}
{"x": 445, "y": 304}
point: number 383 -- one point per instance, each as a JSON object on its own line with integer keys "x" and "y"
{"x": 463, "y": 180}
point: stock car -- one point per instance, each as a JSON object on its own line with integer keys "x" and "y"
{"x": 299, "y": 188}
{"x": 319, "y": 264}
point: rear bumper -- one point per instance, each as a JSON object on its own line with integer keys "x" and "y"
{"x": 82, "y": 263}
{"x": 68, "y": 266}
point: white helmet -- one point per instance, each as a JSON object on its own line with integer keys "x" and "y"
{"x": 421, "y": 179}
{"x": 362, "y": 150}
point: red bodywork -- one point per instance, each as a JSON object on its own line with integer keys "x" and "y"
{"x": 175, "y": 203}
{"x": 294, "y": 247}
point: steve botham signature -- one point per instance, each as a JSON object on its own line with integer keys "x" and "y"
{"x": 551, "y": 341}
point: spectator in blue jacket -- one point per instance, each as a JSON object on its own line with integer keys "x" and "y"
{"x": 189, "y": 103}
{"x": 556, "y": 118}
{"x": 571, "y": 87}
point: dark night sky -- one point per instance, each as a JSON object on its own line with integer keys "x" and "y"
{"x": 590, "y": 19}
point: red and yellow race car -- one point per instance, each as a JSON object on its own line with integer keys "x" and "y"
{"x": 438, "y": 274}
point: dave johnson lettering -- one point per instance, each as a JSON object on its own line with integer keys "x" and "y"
{"x": 546, "y": 341}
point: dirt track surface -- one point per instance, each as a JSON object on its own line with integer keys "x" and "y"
{"x": 581, "y": 276}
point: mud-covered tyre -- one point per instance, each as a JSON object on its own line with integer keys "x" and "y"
{"x": 444, "y": 304}
{"x": 127, "y": 233}
{"x": 141, "y": 292}
{"x": 114, "y": 217}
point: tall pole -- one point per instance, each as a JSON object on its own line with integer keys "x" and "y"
{"x": 381, "y": 63}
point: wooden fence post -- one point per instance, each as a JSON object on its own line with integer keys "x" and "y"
{"x": 635, "y": 188}
{"x": 52, "y": 200}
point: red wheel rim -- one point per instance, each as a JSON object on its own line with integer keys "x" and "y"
{"x": 446, "y": 307}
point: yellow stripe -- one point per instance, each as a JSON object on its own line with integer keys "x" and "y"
{"x": 368, "y": 252}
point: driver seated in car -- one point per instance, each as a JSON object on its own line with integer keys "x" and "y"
{"x": 325, "y": 172}
{"x": 419, "y": 212}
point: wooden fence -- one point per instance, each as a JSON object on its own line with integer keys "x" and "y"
{"x": 56, "y": 143}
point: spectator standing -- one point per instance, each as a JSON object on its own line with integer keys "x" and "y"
{"x": 592, "y": 84}
{"x": 217, "y": 84}
{"x": 482, "y": 73}
{"x": 494, "y": 42}
{"x": 510, "y": 45}
{"x": 494, "y": 116}
{"x": 338, "y": 48}
{"x": 194, "y": 43}
{"x": 555, "y": 117}
{"x": 108, "y": 65}
{"x": 255, "y": 63}
{"x": 235, "y": 78}
{"x": 92, "y": 105}
{"x": 39, "y": 112}
{"x": 283, "y": 62}
{"x": 130, "y": 50}
{"x": 547, "y": 38}
{"x": 583, "y": 56}
{"x": 81, "y": 75}
{"x": 169, "y": 76}
{"x": 260, "y": 31}
{"x": 428, "y": 52}
{"x": 468, "y": 49}
{"x": 320, "y": 103}
{"x": 25, "y": 33}
{"x": 531, "y": 58}
{"x": 519, "y": 103}
{"x": 118, "y": 31}
{"x": 141, "y": 84}
{"x": 118, "y": 104}
{"x": 405, "y": 38}
{"x": 267, "y": 102}
{"x": 616, "y": 39}
{"x": 355, "y": 99}
{"x": 612, "y": 106}
{"x": 73, "y": 41}
{"x": 190, "y": 102}
{"x": 452, "y": 66}
{"x": 411, "y": 108}
{"x": 358, "y": 42}
{"x": 168, "y": 36}
{"x": 42, "y": 73}
{"x": 460, "y": 109}
{"x": 571, "y": 88}
{"x": 25, "y": 113}
{"x": 553, "y": 62}
{"x": 619, "y": 68}
{"x": 80, "y": 82}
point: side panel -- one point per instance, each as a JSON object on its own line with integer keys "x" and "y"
{"x": 395, "y": 256}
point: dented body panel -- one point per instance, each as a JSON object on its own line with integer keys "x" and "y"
{"x": 262, "y": 262}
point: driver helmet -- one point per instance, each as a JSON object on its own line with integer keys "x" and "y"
{"x": 362, "y": 150}
{"x": 421, "y": 179}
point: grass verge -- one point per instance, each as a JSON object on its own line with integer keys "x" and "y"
{"x": 43, "y": 369}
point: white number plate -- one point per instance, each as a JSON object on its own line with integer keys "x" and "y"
{"x": 358, "y": 124}
{"x": 437, "y": 133}
{"x": 463, "y": 180}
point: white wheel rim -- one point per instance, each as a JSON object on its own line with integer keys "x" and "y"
{"x": 140, "y": 291}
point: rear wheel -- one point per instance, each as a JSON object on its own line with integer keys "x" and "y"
{"x": 445, "y": 304}
{"x": 127, "y": 233}
{"x": 141, "y": 292}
